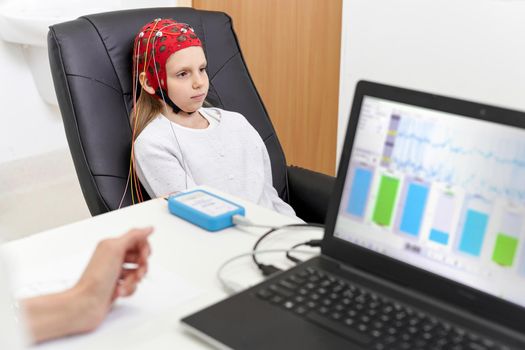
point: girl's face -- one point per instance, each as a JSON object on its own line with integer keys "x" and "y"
{"x": 187, "y": 78}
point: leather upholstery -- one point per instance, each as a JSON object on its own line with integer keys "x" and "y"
{"x": 90, "y": 61}
{"x": 310, "y": 193}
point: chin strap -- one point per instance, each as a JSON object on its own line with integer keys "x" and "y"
{"x": 164, "y": 97}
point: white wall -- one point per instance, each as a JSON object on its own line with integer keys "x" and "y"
{"x": 28, "y": 125}
{"x": 469, "y": 49}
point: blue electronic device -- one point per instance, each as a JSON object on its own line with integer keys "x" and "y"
{"x": 204, "y": 209}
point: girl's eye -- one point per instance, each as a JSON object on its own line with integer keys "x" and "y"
{"x": 182, "y": 74}
{"x": 203, "y": 69}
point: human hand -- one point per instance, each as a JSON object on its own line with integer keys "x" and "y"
{"x": 83, "y": 307}
{"x": 106, "y": 278}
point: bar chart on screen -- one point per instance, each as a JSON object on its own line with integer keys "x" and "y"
{"x": 361, "y": 179}
{"x": 508, "y": 237}
{"x": 473, "y": 226}
{"x": 385, "y": 200}
{"x": 442, "y": 229}
{"x": 414, "y": 197}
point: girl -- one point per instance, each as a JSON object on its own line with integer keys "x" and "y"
{"x": 179, "y": 144}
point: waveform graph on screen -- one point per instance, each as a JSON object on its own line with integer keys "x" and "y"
{"x": 483, "y": 160}
{"x": 419, "y": 148}
{"x": 361, "y": 177}
{"x": 413, "y": 202}
{"x": 386, "y": 199}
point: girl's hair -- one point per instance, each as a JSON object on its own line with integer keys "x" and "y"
{"x": 146, "y": 108}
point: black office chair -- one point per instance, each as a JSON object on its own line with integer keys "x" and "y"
{"x": 90, "y": 61}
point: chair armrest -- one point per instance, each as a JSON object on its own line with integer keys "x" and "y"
{"x": 309, "y": 193}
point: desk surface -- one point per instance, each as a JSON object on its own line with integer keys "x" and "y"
{"x": 192, "y": 254}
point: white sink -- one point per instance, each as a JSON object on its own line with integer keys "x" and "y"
{"x": 20, "y": 24}
{"x": 27, "y": 23}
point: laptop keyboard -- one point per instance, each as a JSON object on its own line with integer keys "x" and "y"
{"x": 374, "y": 321}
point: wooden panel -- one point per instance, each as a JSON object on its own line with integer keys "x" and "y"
{"x": 292, "y": 49}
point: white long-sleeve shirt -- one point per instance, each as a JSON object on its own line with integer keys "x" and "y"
{"x": 228, "y": 155}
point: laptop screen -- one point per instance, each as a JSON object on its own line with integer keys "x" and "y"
{"x": 442, "y": 192}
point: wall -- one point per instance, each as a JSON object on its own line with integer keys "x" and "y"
{"x": 469, "y": 49}
{"x": 29, "y": 126}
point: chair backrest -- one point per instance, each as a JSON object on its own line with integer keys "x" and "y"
{"x": 91, "y": 62}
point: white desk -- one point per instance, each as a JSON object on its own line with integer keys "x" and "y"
{"x": 177, "y": 246}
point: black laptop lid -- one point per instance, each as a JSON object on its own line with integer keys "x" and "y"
{"x": 431, "y": 193}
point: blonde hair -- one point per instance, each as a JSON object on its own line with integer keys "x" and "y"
{"x": 146, "y": 108}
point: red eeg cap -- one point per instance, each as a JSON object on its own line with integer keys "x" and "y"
{"x": 156, "y": 42}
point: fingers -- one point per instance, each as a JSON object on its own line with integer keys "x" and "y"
{"x": 127, "y": 290}
{"x": 145, "y": 251}
{"x": 135, "y": 237}
{"x": 129, "y": 261}
{"x": 138, "y": 254}
{"x": 138, "y": 271}
{"x": 130, "y": 276}
{"x": 137, "y": 259}
{"x": 128, "y": 283}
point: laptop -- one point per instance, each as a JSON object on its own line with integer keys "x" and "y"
{"x": 424, "y": 246}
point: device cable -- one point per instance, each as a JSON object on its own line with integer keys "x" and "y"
{"x": 231, "y": 287}
{"x": 314, "y": 243}
{"x": 268, "y": 269}
{"x": 183, "y": 162}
